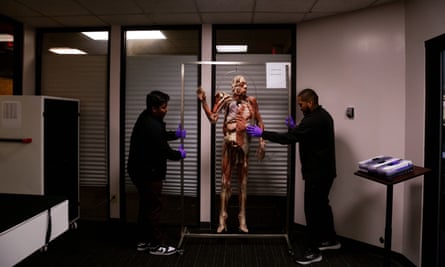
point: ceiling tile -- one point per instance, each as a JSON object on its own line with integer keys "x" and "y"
{"x": 224, "y": 18}
{"x": 274, "y": 17}
{"x": 40, "y": 22}
{"x": 56, "y": 7}
{"x": 317, "y": 15}
{"x": 236, "y": 6}
{"x": 12, "y": 8}
{"x": 107, "y": 7}
{"x": 173, "y": 18}
{"x": 80, "y": 21}
{"x": 340, "y": 5}
{"x": 128, "y": 20}
{"x": 40, "y": 13}
{"x": 174, "y": 6}
{"x": 284, "y": 5}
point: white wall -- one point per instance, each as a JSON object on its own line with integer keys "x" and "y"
{"x": 358, "y": 60}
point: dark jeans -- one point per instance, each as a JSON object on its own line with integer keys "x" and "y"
{"x": 318, "y": 212}
{"x": 150, "y": 206}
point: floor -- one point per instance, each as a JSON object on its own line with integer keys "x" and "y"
{"x": 99, "y": 243}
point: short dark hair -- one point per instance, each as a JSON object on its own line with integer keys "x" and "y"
{"x": 155, "y": 99}
{"x": 309, "y": 94}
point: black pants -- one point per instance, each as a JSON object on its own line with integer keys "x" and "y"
{"x": 150, "y": 206}
{"x": 318, "y": 212}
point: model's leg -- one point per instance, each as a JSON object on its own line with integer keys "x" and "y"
{"x": 226, "y": 189}
{"x": 242, "y": 175}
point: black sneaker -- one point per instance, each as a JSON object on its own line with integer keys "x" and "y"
{"x": 329, "y": 245}
{"x": 309, "y": 256}
{"x": 163, "y": 250}
{"x": 142, "y": 246}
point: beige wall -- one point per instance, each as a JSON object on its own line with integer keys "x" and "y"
{"x": 373, "y": 60}
{"x": 359, "y": 60}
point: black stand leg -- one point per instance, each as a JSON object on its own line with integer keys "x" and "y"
{"x": 388, "y": 225}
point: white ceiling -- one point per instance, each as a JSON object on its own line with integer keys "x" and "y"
{"x": 91, "y": 13}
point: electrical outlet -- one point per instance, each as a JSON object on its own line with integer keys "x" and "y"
{"x": 350, "y": 113}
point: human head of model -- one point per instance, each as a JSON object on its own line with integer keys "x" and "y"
{"x": 239, "y": 86}
{"x": 157, "y": 103}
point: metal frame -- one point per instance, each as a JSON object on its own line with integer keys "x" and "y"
{"x": 184, "y": 231}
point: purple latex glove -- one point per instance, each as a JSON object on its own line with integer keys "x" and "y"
{"x": 182, "y": 151}
{"x": 254, "y": 130}
{"x": 290, "y": 123}
{"x": 180, "y": 133}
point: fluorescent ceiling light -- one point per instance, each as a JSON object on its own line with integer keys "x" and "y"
{"x": 6, "y": 38}
{"x": 98, "y": 36}
{"x": 231, "y": 48}
{"x": 143, "y": 35}
{"x": 66, "y": 51}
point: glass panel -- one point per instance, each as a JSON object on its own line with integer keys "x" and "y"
{"x": 8, "y": 55}
{"x": 156, "y": 65}
{"x": 83, "y": 77}
{"x": 271, "y": 40}
{"x": 267, "y": 188}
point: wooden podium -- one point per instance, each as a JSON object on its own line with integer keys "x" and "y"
{"x": 390, "y": 182}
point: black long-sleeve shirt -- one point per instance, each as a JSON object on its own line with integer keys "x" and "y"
{"x": 315, "y": 135}
{"x": 149, "y": 149}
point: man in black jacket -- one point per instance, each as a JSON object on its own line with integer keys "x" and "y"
{"x": 147, "y": 167}
{"x": 315, "y": 135}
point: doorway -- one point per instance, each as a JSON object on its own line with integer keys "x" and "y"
{"x": 433, "y": 246}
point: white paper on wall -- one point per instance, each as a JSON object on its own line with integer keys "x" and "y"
{"x": 276, "y": 74}
{"x": 11, "y": 116}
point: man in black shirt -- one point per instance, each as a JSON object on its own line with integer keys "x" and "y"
{"x": 315, "y": 135}
{"x": 147, "y": 167}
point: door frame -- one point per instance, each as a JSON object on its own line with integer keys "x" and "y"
{"x": 434, "y": 49}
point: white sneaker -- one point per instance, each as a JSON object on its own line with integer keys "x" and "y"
{"x": 163, "y": 250}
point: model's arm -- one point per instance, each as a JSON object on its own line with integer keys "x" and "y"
{"x": 261, "y": 151}
{"x": 212, "y": 116}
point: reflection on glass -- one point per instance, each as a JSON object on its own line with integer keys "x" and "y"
{"x": 83, "y": 77}
{"x": 155, "y": 64}
{"x": 6, "y": 58}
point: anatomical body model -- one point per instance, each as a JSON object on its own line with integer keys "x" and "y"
{"x": 239, "y": 110}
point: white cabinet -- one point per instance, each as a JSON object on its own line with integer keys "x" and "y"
{"x": 39, "y": 147}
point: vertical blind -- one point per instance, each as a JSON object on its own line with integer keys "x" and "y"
{"x": 86, "y": 80}
{"x": 269, "y": 176}
{"x": 147, "y": 73}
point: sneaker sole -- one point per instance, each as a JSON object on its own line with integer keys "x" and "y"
{"x": 164, "y": 252}
{"x": 333, "y": 247}
{"x": 309, "y": 262}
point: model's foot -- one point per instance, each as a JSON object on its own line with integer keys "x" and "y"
{"x": 221, "y": 228}
{"x": 242, "y": 224}
{"x": 243, "y": 229}
{"x": 222, "y": 223}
